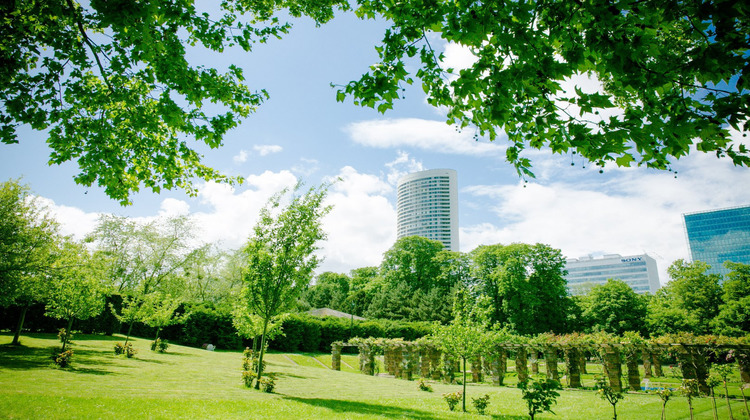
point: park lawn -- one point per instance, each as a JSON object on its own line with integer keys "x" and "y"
{"x": 194, "y": 383}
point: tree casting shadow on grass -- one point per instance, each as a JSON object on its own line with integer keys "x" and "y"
{"x": 343, "y": 406}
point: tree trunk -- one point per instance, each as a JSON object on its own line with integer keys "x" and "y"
{"x": 130, "y": 329}
{"x": 19, "y": 327}
{"x": 67, "y": 334}
{"x": 464, "y": 394}
{"x": 262, "y": 353}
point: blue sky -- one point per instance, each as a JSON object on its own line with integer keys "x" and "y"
{"x": 302, "y": 132}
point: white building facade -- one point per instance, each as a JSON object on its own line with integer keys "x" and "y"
{"x": 638, "y": 271}
{"x": 428, "y": 206}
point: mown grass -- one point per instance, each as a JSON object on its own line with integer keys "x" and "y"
{"x": 194, "y": 383}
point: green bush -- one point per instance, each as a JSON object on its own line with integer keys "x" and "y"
{"x": 423, "y": 386}
{"x": 248, "y": 377}
{"x": 159, "y": 345}
{"x": 453, "y": 399}
{"x": 481, "y": 403}
{"x": 62, "y": 359}
{"x": 268, "y": 383}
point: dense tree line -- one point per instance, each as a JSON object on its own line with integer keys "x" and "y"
{"x": 155, "y": 274}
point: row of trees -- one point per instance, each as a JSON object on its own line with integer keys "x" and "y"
{"x": 522, "y": 288}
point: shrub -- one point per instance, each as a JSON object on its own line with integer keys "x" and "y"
{"x": 452, "y": 399}
{"x": 159, "y": 345}
{"x": 62, "y": 359}
{"x": 268, "y": 383}
{"x": 248, "y": 377}
{"x": 539, "y": 395}
{"x": 64, "y": 336}
{"x": 609, "y": 394}
{"x": 119, "y": 348}
{"x": 481, "y": 403}
{"x": 423, "y": 386}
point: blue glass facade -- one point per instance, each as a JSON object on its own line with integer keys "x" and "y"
{"x": 718, "y": 236}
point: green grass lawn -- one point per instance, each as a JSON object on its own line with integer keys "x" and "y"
{"x": 194, "y": 383}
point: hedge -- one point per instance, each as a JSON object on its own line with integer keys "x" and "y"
{"x": 210, "y": 325}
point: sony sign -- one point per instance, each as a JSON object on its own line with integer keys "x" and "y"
{"x": 632, "y": 259}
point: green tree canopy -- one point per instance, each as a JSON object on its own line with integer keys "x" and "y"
{"x": 614, "y": 307}
{"x": 673, "y": 74}
{"x": 525, "y": 284}
{"x": 734, "y": 313}
{"x": 412, "y": 260}
{"x": 111, "y": 84}
{"x": 75, "y": 290}
{"x": 28, "y": 237}
{"x": 689, "y": 302}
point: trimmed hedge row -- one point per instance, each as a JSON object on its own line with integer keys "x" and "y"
{"x": 307, "y": 333}
{"x": 207, "y": 324}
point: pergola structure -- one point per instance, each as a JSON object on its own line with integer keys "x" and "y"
{"x": 404, "y": 359}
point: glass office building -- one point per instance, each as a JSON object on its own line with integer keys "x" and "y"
{"x": 717, "y": 236}
{"x": 428, "y": 206}
{"x": 638, "y": 271}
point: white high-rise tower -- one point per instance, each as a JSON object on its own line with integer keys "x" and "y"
{"x": 428, "y": 206}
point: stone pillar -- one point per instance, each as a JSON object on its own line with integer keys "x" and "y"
{"x": 336, "y": 356}
{"x": 435, "y": 363}
{"x": 367, "y": 360}
{"x": 398, "y": 358}
{"x": 647, "y": 371}
{"x": 743, "y": 361}
{"x": 476, "y": 369}
{"x": 424, "y": 356}
{"x": 410, "y": 356}
{"x": 657, "y": 364}
{"x": 534, "y": 361}
{"x": 693, "y": 365}
{"x": 613, "y": 367}
{"x": 388, "y": 359}
{"x": 502, "y": 361}
{"x": 634, "y": 377}
{"x": 449, "y": 369}
{"x": 550, "y": 355}
{"x": 582, "y": 361}
{"x": 572, "y": 362}
{"x": 521, "y": 369}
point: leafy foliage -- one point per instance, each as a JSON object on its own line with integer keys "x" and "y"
{"x": 606, "y": 392}
{"x": 525, "y": 284}
{"x": 111, "y": 84}
{"x": 672, "y": 75}
{"x": 540, "y": 396}
{"x": 615, "y": 307}
{"x": 452, "y": 399}
{"x": 280, "y": 257}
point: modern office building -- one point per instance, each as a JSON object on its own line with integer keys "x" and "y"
{"x": 428, "y": 206}
{"x": 717, "y": 236}
{"x": 638, "y": 271}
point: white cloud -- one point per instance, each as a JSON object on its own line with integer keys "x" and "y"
{"x": 433, "y": 136}
{"x": 173, "y": 207}
{"x": 362, "y": 224}
{"x": 233, "y": 214}
{"x": 267, "y": 149}
{"x": 306, "y": 167}
{"x": 633, "y": 213}
{"x": 457, "y": 57}
{"x": 73, "y": 221}
{"x": 401, "y": 166}
{"x": 240, "y": 157}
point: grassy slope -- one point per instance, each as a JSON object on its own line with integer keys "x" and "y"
{"x": 194, "y": 383}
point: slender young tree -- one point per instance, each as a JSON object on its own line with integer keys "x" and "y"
{"x": 464, "y": 339}
{"x": 280, "y": 255}
{"x": 27, "y": 240}
{"x": 75, "y": 288}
